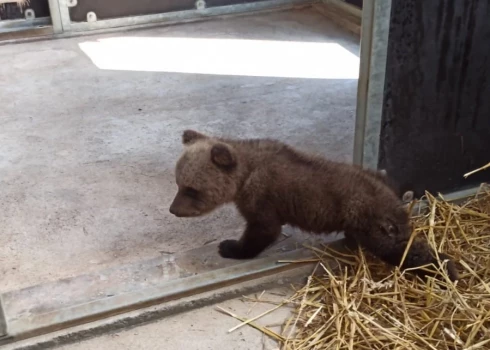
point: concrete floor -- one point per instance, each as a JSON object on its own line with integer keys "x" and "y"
{"x": 204, "y": 329}
{"x": 87, "y": 154}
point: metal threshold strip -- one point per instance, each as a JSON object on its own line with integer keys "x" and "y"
{"x": 74, "y": 301}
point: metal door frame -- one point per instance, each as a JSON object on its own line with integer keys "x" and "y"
{"x": 376, "y": 17}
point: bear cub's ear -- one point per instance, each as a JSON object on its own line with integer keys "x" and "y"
{"x": 223, "y": 156}
{"x": 191, "y": 136}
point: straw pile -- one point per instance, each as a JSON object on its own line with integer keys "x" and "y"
{"x": 365, "y": 304}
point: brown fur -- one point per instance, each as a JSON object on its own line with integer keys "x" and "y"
{"x": 273, "y": 184}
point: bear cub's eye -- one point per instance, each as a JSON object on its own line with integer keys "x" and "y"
{"x": 191, "y": 192}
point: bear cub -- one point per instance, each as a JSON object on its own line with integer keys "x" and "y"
{"x": 273, "y": 184}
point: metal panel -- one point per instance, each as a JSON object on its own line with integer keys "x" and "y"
{"x": 13, "y": 11}
{"x": 110, "y": 9}
{"x": 436, "y": 117}
{"x": 374, "y": 46}
{"x": 124, "y": 8}
{"x": 172, "y": 17}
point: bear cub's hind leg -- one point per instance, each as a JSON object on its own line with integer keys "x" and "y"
{"x": 389, "y": 244}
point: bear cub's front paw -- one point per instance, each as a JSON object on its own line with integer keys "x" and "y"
{"x": 230, "y": 249}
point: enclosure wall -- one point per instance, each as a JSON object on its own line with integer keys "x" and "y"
{"x": 436, "y": 113}
{"x": 110, "y": 9}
